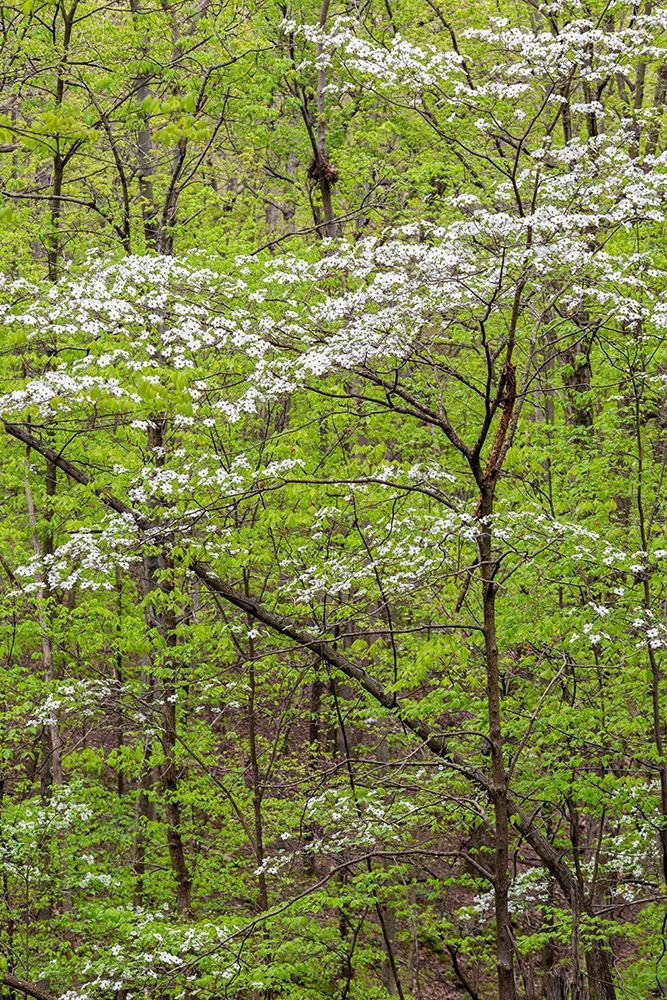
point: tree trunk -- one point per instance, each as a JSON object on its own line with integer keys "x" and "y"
{"x": 504, "y": 948}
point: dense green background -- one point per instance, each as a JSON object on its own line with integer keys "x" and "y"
{"x": 250, "y": 285}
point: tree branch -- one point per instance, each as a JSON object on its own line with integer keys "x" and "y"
{"x": 28, "y": 988}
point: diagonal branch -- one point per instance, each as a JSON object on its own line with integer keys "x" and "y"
{"x": 74, "y": 472}
{"x": 549, "y": 855}
{"x": 29, "y": 989}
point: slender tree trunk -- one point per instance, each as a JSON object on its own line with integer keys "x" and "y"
{"x": 142, "y": 817}
{"x": 257, "y": 791}
{"x": 53, "y": 251}
{"x": 144, "y": 809}
{"x": 145, "y": 167}
{"x": 656, "y": 672}
{"x": 161, "y": 614}
{"x": 504, "y": 947}
{"x": 118, "y": 685}
{"x": 165, "y": 620}
{"x": 326, "y": 174}
{"x": 51, "y": 771}
{"x": 60, "y": 157}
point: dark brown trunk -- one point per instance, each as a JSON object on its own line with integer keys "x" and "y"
{"x": 504, "y": 948}
{"x": 599, "y": 973}
{"x": 159, "y": 581}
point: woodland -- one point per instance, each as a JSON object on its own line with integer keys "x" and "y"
{"x": 333, "y": 499}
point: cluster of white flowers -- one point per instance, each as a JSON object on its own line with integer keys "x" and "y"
{"x": 153, "y": 948}
{"x": 99, "y": 880}
{"x": 512, "y": 58}
{"x": 88, "y": 559}
{"x": 409, "y": 292}
{"x": 208, "y": 472}
{"x": 401, "y": 62}
{"x": 345, "y": 820}
{"x": 61, "y": 390}
{"x": 61, "y": 813}
{"x": 69, "y": 696}
{"x": 652, "y": 631}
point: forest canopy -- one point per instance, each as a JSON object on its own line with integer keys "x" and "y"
{"x": 334, "y": 452}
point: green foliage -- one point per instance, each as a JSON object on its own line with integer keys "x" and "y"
{"x": 195, "y": 799}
